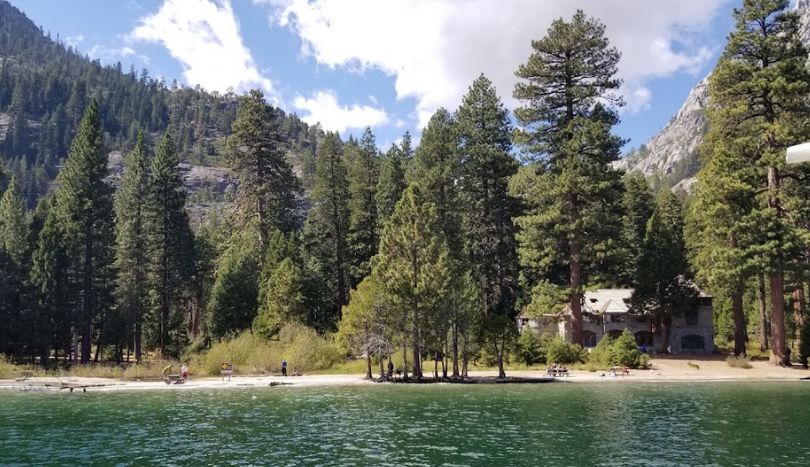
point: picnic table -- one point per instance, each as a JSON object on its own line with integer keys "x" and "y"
{"x": 556, "y": 372}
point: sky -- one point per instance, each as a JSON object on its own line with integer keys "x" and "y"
{"x": 389, "y": 64}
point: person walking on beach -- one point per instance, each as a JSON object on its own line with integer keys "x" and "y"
{"x": 184, "y": 371}
{"x": 284, "y": 367}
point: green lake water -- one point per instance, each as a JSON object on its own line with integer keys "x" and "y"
{"x": 547, "y": 424}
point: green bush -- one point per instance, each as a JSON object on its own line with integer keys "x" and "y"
{"x": 625, "y": 351}
{"x": 560, "y": 351}
{"x": 620, "y": 352}
{"x": 529, "y": 348}
{"x": 739, "y": 362}
{"x": 601, "y": 356}
{"x": 301, "y": 346}
{"x": 7, "y": 369}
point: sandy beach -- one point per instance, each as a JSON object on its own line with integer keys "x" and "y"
{"x": 663, "y": 370}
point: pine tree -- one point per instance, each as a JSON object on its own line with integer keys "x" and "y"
{"x": 51, "y": 280}
{"x": 391, "y": 184}
{"x": 637, "y": 205}
{"x": 169, "y": 246}
{"x": 283, "y": 299}
{"x": 572, "y": 193}
{"x": 328, "y": 224}
{"x": 363, "y": 326}
{"x": 487, "y": 208}
{"x": 436, "y": 168}
{"x": 760, "y": 87}
{"x": 663, "y": 288}
{"x": 266, "y": 180}
{"x": 413, "y": 266}
{"x": 233, "y": 303}
{"x": 131, "y": 256}
{"x": 84, "y": 211}
{"x": 13, "y": 224}
{"x": 362, "y": 164}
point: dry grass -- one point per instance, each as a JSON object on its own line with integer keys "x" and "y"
{"x": 739, "y": 362}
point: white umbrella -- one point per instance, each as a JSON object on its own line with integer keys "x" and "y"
{"x": 798, "y": 154}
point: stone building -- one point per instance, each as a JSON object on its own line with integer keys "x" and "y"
{"x": 607, "y": 311}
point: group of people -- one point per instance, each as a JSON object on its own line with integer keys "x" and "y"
{"x": 557, "y": 370}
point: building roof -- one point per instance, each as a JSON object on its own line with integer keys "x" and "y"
{"x": 603, "y": 301}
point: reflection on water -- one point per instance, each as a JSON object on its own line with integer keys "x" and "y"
{"x": 559, "y": 424}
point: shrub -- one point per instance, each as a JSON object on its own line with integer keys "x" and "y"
{"x": 625, "y": 351}
{"x": 738, "y": 362}
{"x": 529, "y": 348}
{"x": 301, "y": 346}
{"x": 7, "y": 369}
{"x": 559, "y": 351}
{"x": 601, "y": 356}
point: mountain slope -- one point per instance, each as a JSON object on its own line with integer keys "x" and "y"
{"x": 671, "y": 157}
{"x": 45, "y": 85}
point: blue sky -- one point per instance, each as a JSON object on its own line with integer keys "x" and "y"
{"x": 388, "y": 64}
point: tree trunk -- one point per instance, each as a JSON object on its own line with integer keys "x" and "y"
{"x": 501, "y": 372}
{"x": 455, "y": 351}
{"x": 382, "y": 369}
{"x": 798, "y": 312}
{"x": 778, "y": 318}
{"x": 575, "y": 303}
{"x": 764, "y": 335}
{"x": 404, "y": 360}
{"x": 368, "y": 365}
{"x": 664, "y": 337}
{"x": 739, "y": 323}
{"x": 87, "y": 300}
{"x": 777, "y": 282}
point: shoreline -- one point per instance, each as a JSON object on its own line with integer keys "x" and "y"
{"x": 522, "y": 377}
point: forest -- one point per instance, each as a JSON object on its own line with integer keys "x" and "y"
{"x": 428, "y": 251}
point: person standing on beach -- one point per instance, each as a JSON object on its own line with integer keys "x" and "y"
{"x": 184, "y": 371}
{"x": 284, "y": 367}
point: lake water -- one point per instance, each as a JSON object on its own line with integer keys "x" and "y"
{"x": 547, "y": 424}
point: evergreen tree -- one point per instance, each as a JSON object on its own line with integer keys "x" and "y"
{"x": 170, "y": 246}
{"x": 13, "y": 224}
{"x": 572, "y": 193}
{"x": 436, "y": 168}
{"x": 487, "y": 208}
{"x": 328, "y": 223}
{"x": 363, "y": 326}
{"x": 266, "y": 180}
{"x": 233, "y": 302}
{"x": 414, "y": 266}
{"x": 362, "y": 164}
{"x": 662, "y": 288}
{"x": 50, "y": 276}
{"x": 761, "y": 86}
{"x": 131, "y": 256}
{"x": 283, "y": 299}
{"x": 84, "y": 211}
{"x": 637, "y": 205}
{"x": 391, "y": 184}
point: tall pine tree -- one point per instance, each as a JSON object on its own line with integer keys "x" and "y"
{"x": 487, "y": 208}
{"x": 362, "y": 164}
{"x": 170, "y": 248}
{"x": 567, "y": 87}
{"x": 84, "y": 213}
{"x": 131, "y": 256}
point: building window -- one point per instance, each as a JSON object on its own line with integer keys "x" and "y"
{"x": 692, "y": 318}
{"x": 615, "y": 334}
{"x": 692, "y": 342}
{"x": 616, "y": 318}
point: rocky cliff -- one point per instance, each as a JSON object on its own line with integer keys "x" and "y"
{"x": 671, "y": 156}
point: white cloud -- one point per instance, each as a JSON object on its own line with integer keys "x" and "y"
{"x": 74, "y": 41}
{"x": 116, "y": 54}
{"x": 436, "y": 48}
{"x": 204, "y": 36}
{"x": 323, "y": 107}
